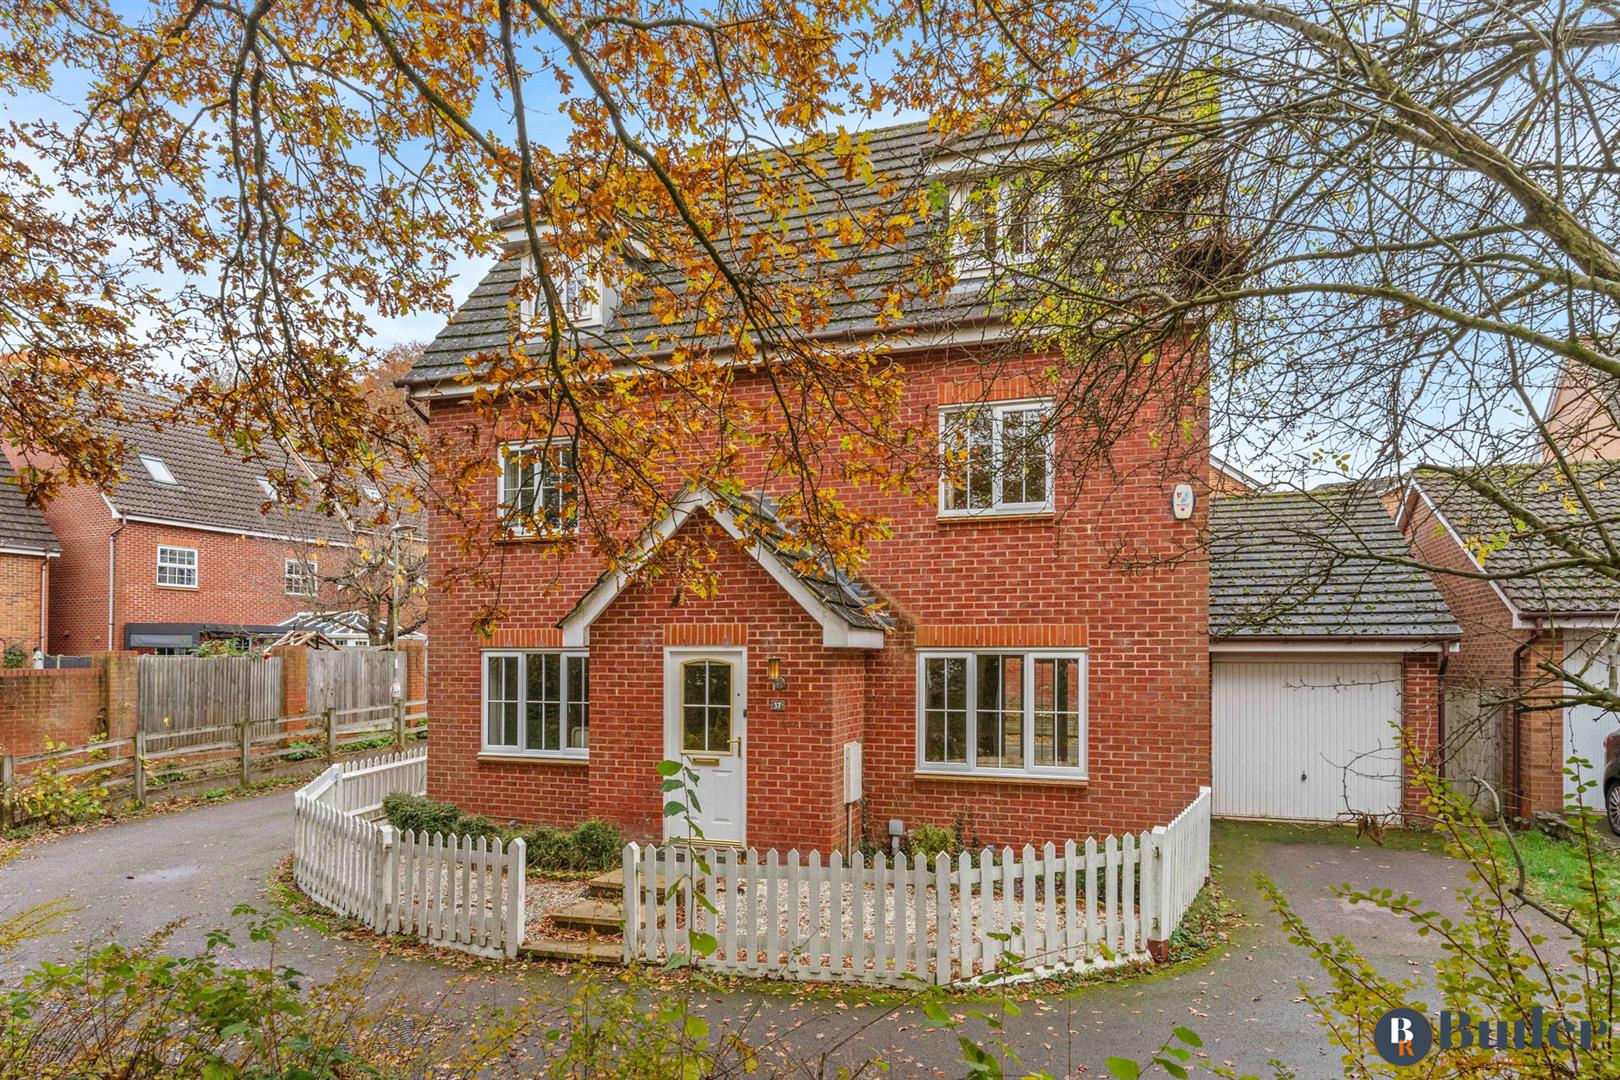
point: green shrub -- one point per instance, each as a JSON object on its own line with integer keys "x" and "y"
{"x": 422, "y": 815}
{"x": 928, "y": 841}
{"x": 549, "y": 849}
{"x": 598, "y": 845}
{"x": 14, "y": 656}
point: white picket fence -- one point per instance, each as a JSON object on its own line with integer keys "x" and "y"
{"x": 460, "y": 892}
{"x": 995, "y": 916}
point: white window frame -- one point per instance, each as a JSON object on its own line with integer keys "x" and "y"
{"x": 158, "y": 470}
{"x": 570, "y": 753}
{"x": 1030, "y": 768}
{"x": 575, "y": 289}
{"x": 195, "y": 567}
{"x": 970, "y": 260}
{"x": 998, "y": 410}
{"x": 504, "y": 505}
{"x": 314, "y": 576}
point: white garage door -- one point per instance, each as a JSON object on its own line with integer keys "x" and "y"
{"x": 1305, "y": 740}
{"x": 1586, "y": 726}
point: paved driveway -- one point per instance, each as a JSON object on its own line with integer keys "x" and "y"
{"x": 131, "y": 879}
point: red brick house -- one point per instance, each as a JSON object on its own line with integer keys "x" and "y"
{"x": 1525, "y": 617}
{"x": 28, "y": 547}
{"x": 997, "y": 664}
{"x": 190, "y": 544}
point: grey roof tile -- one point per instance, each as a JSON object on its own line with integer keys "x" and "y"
{"x": 22, "y": 526}
{"x": 909, "y": 153}
{"x": 1304, "y": 565}
{"x": 1503, "y": 544}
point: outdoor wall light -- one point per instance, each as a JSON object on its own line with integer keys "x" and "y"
{"x": 773, "y": 671}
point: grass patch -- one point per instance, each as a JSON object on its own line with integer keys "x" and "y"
{"x": 1556, "y": 872}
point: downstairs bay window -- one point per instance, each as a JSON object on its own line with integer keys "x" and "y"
{"x": 536, "y": 703}
{"x": 1002, "y": 713}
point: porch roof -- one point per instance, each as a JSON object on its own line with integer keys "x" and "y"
{"x": 851, "y": 615}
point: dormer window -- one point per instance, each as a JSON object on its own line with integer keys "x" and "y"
{"x": 157, "y": 470}
{"x": 584, "y": 295}
{"x": 268, "y": 488}
{"x": 1002, "y": 221}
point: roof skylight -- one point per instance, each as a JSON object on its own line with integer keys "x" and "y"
{"x": 157, "y": 470}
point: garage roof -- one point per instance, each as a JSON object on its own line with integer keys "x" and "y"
{"x": 1316, "y": 564}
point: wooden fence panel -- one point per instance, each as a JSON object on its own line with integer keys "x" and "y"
{"x": 351, "y": 679}
{"x": 184, "y": 693}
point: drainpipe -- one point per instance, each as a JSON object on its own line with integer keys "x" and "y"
{"x": 1518, "y": 718}
{"x": 44, "y": 599}
{"x": 112, "y": 579}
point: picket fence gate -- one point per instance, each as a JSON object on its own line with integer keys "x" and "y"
{"x": 461, "y": 892}
{"x": 997, "y": 916}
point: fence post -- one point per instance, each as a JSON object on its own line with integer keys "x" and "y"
{"x": 399, "y": 723}
{"x": 8, "y": 781}
{"x": 140, "y": 767}
{"x": 516, "y": 896}
{"x": 1159, "y": 937}
{"x": 382, "y": 885}
{"x": 242, "y": 727}
{"x": 328, "y": 719}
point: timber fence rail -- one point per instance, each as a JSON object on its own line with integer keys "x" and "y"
{"x": 458, "y": 892}
{"x": 992, "y": 915}
{"x": 141, "y": 765}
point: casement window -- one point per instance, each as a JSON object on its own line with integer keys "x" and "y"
{"x": 537, "y": 703}
{"x": 538, "y": 488}
{"x": 1020, "y": 713}
{"x": 579, "y": 287}
{"x": 1002, "y": 221}
{"x": 177, "y": 567}
{"x": 996, "y": 458}
{"x": 302, "y": 577}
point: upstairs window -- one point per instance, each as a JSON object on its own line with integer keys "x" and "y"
{"x": 1002, "y": 712}
{"x": 537, "y": 703}
{"x": 157, "y": 470}
{"x": 177, "y": 567}
{"x": 302, "y": 577}
{"x": 579, "y": 288}
{"x": 1002, "y": 221}
{"x": 539, "y": 488}
{"x": 996, "y": 459}
{"x": 268, "y": 488}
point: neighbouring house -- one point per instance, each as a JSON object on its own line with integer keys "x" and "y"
{"x": 1583, "y": 415}
{"x": 994, "y": 664}
{"x": 27, "y": 549}
{"x": 1227, "y": 479}
{"x": 1326, "y": 655}
{"x": 1523, "y": 617}
{"x": 191, "y": 544}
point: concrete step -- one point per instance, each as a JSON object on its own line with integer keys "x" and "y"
{"x": 599, "y": 952}
{"x": 609, "y": 885}
{"x": 598, "y": 915}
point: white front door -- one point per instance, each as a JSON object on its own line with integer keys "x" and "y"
{"x": 705, "y": 728}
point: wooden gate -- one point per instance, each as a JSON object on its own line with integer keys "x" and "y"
{"x": 1473, "y": 752}
{"x": 181, "y": 693}
{"x": 347, "y": 679}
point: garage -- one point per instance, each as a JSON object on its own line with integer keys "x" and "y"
{"x": 1586, "y": 726}
{"x": 1322, "y": 651}
{"x": 1305, "y": 739}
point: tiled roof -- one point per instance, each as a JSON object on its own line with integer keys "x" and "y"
{"x": 1500, "y": 544}
{"x": 849, "y": 598}
{"x": 22, "y": 526}
{"x": 1304, "y": 565}
{"x": 212, "y": 488}
{"x": 909, "y": 154}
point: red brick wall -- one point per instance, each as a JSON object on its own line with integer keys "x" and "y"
{"x": 63, "y": 706}
{"x": 1420, "y": 702}
{"x": 21, "y": 590}
{"x": 78, "y": 597}
{"x": 1148, "y": 707}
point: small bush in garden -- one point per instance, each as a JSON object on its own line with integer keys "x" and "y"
{"x": 14, "y": 656}
{"x": 420, "y": 814}
{"x": 928, "y": 841}
{"x": 54, "y": 798}
{"x": 598, "y": 845}
{"x": 549, "y": 849}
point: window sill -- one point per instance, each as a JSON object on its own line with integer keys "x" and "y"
{"x": 181, "y": 588}
{"x": 495, "y": 757}
{"x": 538, "y": 538}
{"x": 988, "y": 516}
{"x": 1079, "y": 783}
